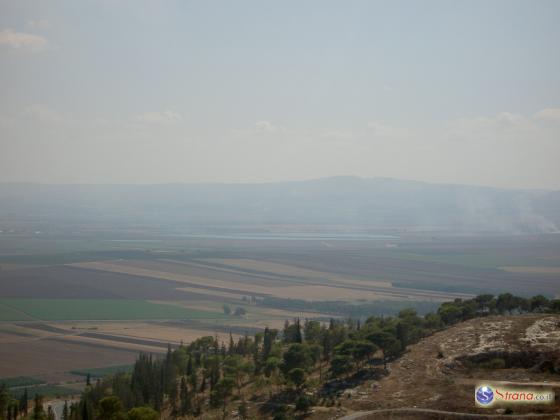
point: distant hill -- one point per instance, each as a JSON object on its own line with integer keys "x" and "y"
{"x": 341, "y": 202}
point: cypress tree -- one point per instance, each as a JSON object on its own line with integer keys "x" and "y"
{"x": 173, "y": 398}
{"x": 231, "y": 348}
{"x": 298, "y": 337}
{"x": 23, "y": 402}
{"x": 203, "y": 384}
{"x": 65, "y": 413}
{"x": 38, "y": 412}
{"x": 189, "y": 366}
{"x": 185, "y": 398}
{"x": 15, "y": 410}
{"x": 267, "y": 344}
{"x": 193, "y": 379}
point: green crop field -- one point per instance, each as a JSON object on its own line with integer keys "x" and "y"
{"x": 94, "y": 309}
{"x": 8, "y": 313}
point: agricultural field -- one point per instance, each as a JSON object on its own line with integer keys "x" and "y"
{"x": 8, "y": 313}
{"x": 69, "y": 305}
{"x": 49, "y": 358}
{"x": 65, "y": 282}
{"x": 209, "y": 284}
{"x": 54, "y": 352}
{"x": 209, "y": 278}
{"x": 94, "y": 309}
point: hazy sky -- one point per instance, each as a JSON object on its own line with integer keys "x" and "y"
{"x": 116, "y": 91}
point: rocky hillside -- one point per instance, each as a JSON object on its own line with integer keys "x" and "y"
{"x": 440, "y": 372}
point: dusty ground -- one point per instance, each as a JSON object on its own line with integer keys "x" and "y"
{"x": 420, "y": 379}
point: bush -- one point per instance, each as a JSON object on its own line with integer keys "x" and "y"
{"x": 143, "y": 413}
{"x": 495, "y": 363}
{"x": 304, "y": 403}
{"x": 239, "y": 311}
{"x": 297, "y": 377}
{"x": 280, "y": 412}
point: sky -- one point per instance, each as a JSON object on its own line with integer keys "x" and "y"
{"x": 118, "y": 91}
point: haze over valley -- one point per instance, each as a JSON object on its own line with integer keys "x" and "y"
{"x": 330, "y": 204}
{"x": 279, "y": 210}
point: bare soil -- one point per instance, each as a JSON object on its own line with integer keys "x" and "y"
{"x": 71, "y": 282}
{"x": 51, "y": 356}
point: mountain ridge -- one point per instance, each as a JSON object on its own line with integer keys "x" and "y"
{"x": 341, "y": 200}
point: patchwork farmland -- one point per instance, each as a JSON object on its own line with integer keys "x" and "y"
{"x": 69, "y": 312}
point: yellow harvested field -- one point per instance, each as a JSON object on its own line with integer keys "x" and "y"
{"x": 285, "y": 269}
{"x": 308, "y": 292}
{"x": 532, "y": 269}
{"x": 99, "y": 342}
{"x": 142, "y": 330}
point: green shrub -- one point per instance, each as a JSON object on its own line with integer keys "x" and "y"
{"x": 495, "y": 363}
